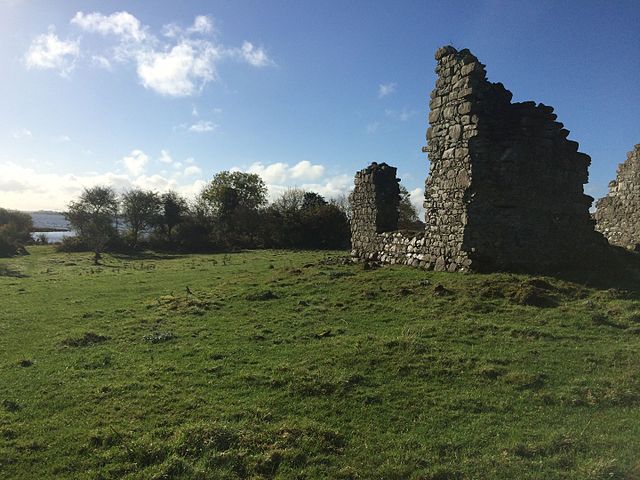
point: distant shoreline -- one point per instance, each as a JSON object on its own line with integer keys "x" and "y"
{"x": 48, "y": 229}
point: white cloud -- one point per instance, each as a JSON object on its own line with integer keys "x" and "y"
{"x": 21, "y": 133}
{"x": 179, "y": 65}
{"x": 203, "y": 127}
{"x": 171, "y": 30}
{"x": 400, "y": 115}
{"x": 135, "y": 162}
{"x": 280, "y": 172}
{"x": 194, "y": 111}
{"x": 121, "y": 24}
{"x": 273, "y": 173}
{"x": 62, "y": 139}
{"x": 192, "y": 171}
{"x": 181, "y": 71}
{"x": 101, "y": 62}
{"x": 48, "y": 52}
{"x": 331, "y": 187}
{"x": 280, "y": 176}
{"x": 255, "y": 56}
{"x": 373, "y": 127}
{"x": 25, "y": 188}
{"x": 189, "y": 160}
{"x": 165, "y": 157}
{"x": 385, "y": 89}
{"x": 304, "y": 170}
{"x": 417, "y": 198}
{"x": 202, "y": 24}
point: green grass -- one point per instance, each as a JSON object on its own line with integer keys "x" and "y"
{"x": 287, "y": 365}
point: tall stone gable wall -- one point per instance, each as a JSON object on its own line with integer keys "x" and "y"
{"x": 618, "y": 214}
{"x": 505, "y": 186}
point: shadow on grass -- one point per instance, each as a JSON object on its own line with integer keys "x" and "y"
{"x": 146, "y": 255}
{"x": 6, "y": 271}
{"x": 617, "y": 269}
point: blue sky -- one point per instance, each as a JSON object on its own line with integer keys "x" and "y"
{"x": 164, "y": 94}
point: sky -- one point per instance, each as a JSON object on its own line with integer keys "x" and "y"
{"x": 162, "y": 94}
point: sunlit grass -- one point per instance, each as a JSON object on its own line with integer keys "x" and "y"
{"x": 274, "y": 364}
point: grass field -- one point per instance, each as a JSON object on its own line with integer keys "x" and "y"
{"x": 293, "y": 365}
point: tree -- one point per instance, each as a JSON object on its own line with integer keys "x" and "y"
{"x": 15, "y": 231}
{"x": 235, "y": 199}
{"x": 291, "y": 200}
{"x": 250, "y": 190}
{"x": 140, "y": 209}
{"x": 299, "y": 219}
{"x": 408, "y": 218}
{"x": 93, "y": 216}
{"x": 174, "y": 209}
{"x": 313, "y": 200}
{"x": 343, "y": 204}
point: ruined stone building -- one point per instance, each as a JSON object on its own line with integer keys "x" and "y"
{"x": 505, "y": 186}
{"x": 618, "y": 214}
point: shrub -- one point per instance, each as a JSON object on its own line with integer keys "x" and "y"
{"x": 72, "y": 244}
{"x": 15, "y": 228}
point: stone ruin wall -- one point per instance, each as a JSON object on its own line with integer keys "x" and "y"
{"x": 505, "y": 186}
{"x": 618, "y": 214}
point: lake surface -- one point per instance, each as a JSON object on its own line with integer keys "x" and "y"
{"x": 53, "y": 237}
{"x": 47, "y": 220}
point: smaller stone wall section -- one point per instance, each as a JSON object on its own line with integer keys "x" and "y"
{"x": 618, "y": 214}
{"x": 375, "y": 200}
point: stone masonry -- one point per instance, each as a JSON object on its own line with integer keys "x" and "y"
{"x": 618, "y": 214}
{"x": 505, "y": 186}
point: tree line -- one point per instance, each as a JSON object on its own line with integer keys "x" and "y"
{"x": 231, "y": 212}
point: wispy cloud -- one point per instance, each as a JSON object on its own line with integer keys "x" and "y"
{"x": 255, "y": 56}
{"x": 192, "y": 170}
{"x": 400, "y": 115}
{"x": 49, "y": 52}
{"x": 202, "y": 24}
{"x": 120, "y": 24}
{"x": 385, "y": 89}
{"x": 21, "y": 133}
{"x": 101, "y": 62}
{"x": 372, "y": 127}
{"x": 203, "y": 127}
{"x": 165, "y": 157}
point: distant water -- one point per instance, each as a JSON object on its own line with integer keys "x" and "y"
{"x": 46, "y": 220}
{"x": 53, "y": 237}
{"x": 49, "y": 220}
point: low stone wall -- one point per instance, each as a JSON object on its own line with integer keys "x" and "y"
{"x": 618, "y": 214}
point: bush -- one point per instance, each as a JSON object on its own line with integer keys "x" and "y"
{"x": 15, "y": 228}
{"x": 7, "y": 248}
{"x": 72, "y": 244}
